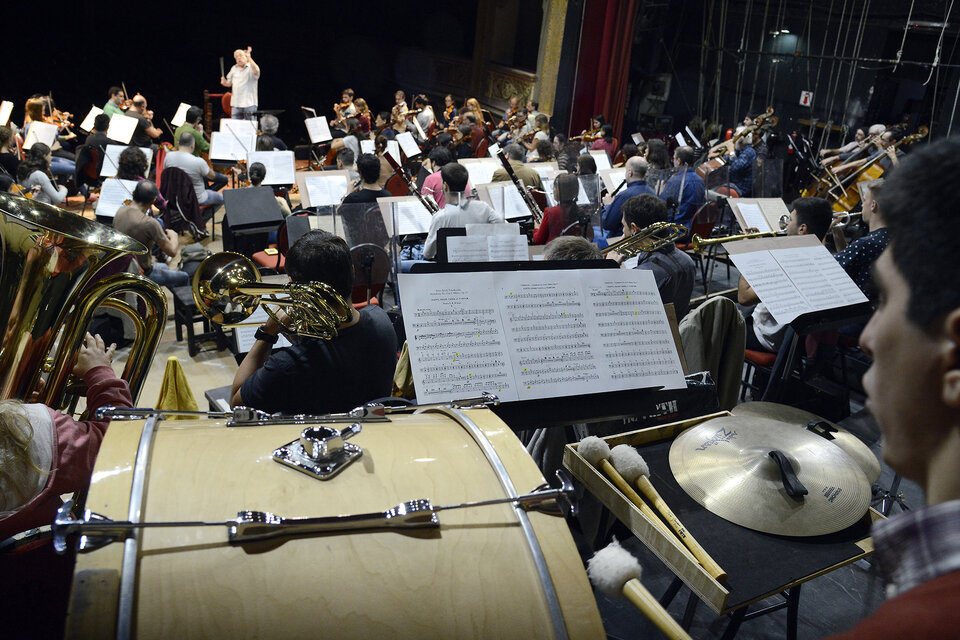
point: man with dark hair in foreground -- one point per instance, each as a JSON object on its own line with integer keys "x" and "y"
{"x": 913, "y": 389}
{"x": 314, "y": 375}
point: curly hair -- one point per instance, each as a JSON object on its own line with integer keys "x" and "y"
{"x": 132, "y": 164}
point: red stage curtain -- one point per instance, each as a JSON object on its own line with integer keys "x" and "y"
{"x": 603, "y": 65}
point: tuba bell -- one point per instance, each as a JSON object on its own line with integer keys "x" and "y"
{"x": 51, "y": 282}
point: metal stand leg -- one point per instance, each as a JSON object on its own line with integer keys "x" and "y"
{"x": 671, "y": 592}
{"x": 793, "y": 610}
{"x": 690, "y": 611}
{"x": 736, "y": 618}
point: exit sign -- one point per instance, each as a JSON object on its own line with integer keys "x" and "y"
{"x": 806, "y": 98}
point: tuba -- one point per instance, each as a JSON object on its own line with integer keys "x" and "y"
{"x": 51, "y": 281}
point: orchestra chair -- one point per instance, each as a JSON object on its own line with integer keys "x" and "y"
{"x": 371, "y": 268}
{"x": 276, "y": 260}
{"x": 183, "y": 212}
{"x": 226, "y": 102}
{"x": 482, "y": 149}
{"x": 704, "y": 220}
{"x": 713, "y": 338}
{"x": 87, "y": 171}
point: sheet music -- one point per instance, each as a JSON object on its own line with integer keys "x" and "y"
{"x": 411, "y": 216}
{"x": 753, "y": 217}
{"x": 818, "y": 277}
{"x": 324, "y": 190}
{"x": 279, "y": 165}
{"x": 245, "y": 336}
{"x": 393, "y": 148}
{"x": 318, "y": 129}
{"x": 181, "y": 115}
{"x": 545, "y": 333}
{"x": 637, "y": 138}
{"x": 240, "y": 127}
{"x": 41, "y": 132}
{"x": 408, "y": 144}
{"x": 602, "y": 159}
{"x": 506, "y": 200}
{"x": 6, "y": 108}
{"x": 487, "y": 248}
{"x": 368, "y": 146}
{"x": 493, "y": 150}
{"x": 582, "y": 197}
{"x": 113, "y": 193}
{"x": 679, "y": 138}
{"x": 495, "y": 229}
{"x": 481, "y": 172}
{"x": 457, "y": 346}
{"x": 224, "y": 145}
{"x": 507, "y": 248}
{"x": 612, "y": 178}
{"x": 86, "y": 125}
{"x": 111, "y": 159}
{"x": 121, "y": 128}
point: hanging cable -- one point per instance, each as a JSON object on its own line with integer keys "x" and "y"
{"x": 742, "y": 58}
{"x": 936, "y": 63}
{"x": 703, "y": 60}
{"x": 957, "y": 94}
{"x": 936, "y": 56}
{"x": 906, "y": 27}
{"x": 834, "y": 81}
{"x": 756, "y": 69}
{"x": 816, "y": 85}
{"x": 775, "y": 61}
{"x": 853, "y": 66}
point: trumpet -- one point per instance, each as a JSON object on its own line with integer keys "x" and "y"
{"x": 697, "y": 243}
{"x": 844, "y": 218}
{"x": 227, "y": 289}
{"x": 648, "y": 239}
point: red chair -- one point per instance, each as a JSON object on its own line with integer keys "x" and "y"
{"x": 482, "y": 148}
{"x": 225, "y": 102}
{"x": 704, "y": 220}
{"x": 274, "y": 256}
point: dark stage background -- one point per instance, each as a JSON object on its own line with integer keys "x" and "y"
{"x": 307, "y": 53}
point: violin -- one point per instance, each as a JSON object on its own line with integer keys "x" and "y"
{"x": 589, "y": 136}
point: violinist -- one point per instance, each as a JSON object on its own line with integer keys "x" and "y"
{"x": 449, "y": 111}
{"x": 532, "y": 112}
{"x": 351, "y": 140}
{"x": 384, "y": 126}
{"x": 62, "y": 162}
{"x": 243, "y": 78}
{"x": 34, "y": 171}
{"x": 399, "y": 112}
{"x": 52, "y": 115}
{"x": 504, "y": 126}
{"x": 596, "y": 127}
{"x": 463, "y": 139}
{"x": 741, "y": 164}
{"x": 426, "y": 117}
{"x": 363, "y": 115}
{"x": 607, "y": 142}
{"x": 345, "y": 108}
{"x": 98, "y": 137}
{"x": 193, "y": 126}
{"x": 145, "y": 133}
{"x": 541, "y": 131}
{"x": 115, "y": 98}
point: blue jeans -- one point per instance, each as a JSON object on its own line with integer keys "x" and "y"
{"x": 165, "y": 276}
{"x": 243, "y": 113}
{"x": 62, "y": 166}
{"x": 213, "y": 198}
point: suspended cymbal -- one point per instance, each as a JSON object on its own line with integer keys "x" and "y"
{"x": 724, "y": 465}
{"x": 831, "y": 432}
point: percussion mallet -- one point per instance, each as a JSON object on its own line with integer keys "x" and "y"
{"x": 634, "y": 469}
{"x": 615, "y": 572}
{"x": 596, "y": 451}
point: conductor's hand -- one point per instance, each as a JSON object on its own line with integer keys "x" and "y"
{"x": 249, "y": 51}
{"x": 93, "y": 354}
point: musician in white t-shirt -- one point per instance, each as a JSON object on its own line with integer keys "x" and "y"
{"x": 243, "y": 78}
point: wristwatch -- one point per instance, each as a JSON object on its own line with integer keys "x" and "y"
{"x": 262, "y": 334}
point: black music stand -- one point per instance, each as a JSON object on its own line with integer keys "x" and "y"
{"x": 252, "y": 213}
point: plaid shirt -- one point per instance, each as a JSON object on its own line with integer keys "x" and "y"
{"x": 918, "y": 546}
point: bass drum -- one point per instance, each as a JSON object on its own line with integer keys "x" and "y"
{"x": 475, "y": 576}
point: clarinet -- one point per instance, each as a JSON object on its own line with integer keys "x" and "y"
{"x": 429, "y": 204}
{"x": 522, "y": 188}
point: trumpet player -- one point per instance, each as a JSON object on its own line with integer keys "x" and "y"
{"x": 857, "y": 259}
{"x": 673, "y": 269}
{"x": 320, "y": 376}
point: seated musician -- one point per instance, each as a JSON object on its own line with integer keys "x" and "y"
{"x": 586, "y": 165}
{"x": 46, "y": 453}
{"x": 507, "y": 123}
{"x": 566, "y": 153}
{"x": 607, "y": 142}
{"x": 449, "y": 111}
{"x": 62, "y": 163}
{"x": 858, "y": 138}
{"x": 346, "y": 108}
{"x": 528, "y": 176}
{"x": 399, "y": 111}
{"x": 269, "y": 125}
{"x": 741, "y": 164}
{"x": 426, "y": 117}
{"x": 433, "y": 184}
{"x": 346, "y": 161}
{"x": 883, "y": 142}
{"x": 542, "y": 153}
{"x": 611, "y": 220}
{"x": 458, "y": 211}
{"x": 145, "y": 133}
{"x": 362, "y": 115}
{"x": 627, "y": 151}
{"x": 858, "y": 258}
{"x": 674, "y": 270}
{"x": 115, "y": 98}
{"x": 384, "y": 125}
{"x": 136, "y": 221}
{"x": 463, "y": 140}
{"x": 558, "y": 220}
{"x": 8, "y": 159}
{"x": 257, "y": 174}
{"x": 764, "y": 333}
{"x": 913, "y": 390}
{"x": 34, "y": 175}
{"x": 314, "y": 375}
{"x": 196, "y": 169}
{"x": 98, "y": 137}
{"x": 686, "y": 203}
{"x": 192, "y": 125}
{"x": 541, "y": 131}
{"x": 532, "y": 112}
{"x": 368, "y": 166}
{"x": 571, "y": 248}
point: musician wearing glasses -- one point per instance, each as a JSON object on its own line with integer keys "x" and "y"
{"x": 673, "y": 269}
{"x": 913, "y": 391}
{"x": 314, "y": 375}
{"x": 636, "y": 184}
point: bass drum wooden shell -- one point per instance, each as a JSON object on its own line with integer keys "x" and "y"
{"x": 473, "y": 577}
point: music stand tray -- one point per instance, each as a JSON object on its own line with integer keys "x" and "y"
{"x": 758, "y": 565}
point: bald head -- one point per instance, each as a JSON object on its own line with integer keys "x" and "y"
{"x": 636, "y": 169}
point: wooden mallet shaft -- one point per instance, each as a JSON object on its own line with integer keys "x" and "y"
{"x": 633, "y": 496}
{"x": 708, "y": 563}
{"x": 642, "y": 599}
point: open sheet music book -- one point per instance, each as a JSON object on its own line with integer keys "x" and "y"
{"x": 111, "y": 159}
{"x": 240, "y": 127}
{"x": 612, "y": 178}
{"x": 113, "y": 194}
{"x": 122, "y": 128}
{"x": 87, "y": 124}
{"x": 228, "y": 145}
{"x": 602, "y": 159}
{"x": 279, "y": 166}
{"x": 480, "y": 170}
{"x": 793, "y": 275}
{"x": 407, "y": 144}
{"x": 537, "y": 334}
{"x": 505, "y": 199}
{"x": 246, "y": 336}
{"x": 762, "y": 214}
{"x": 41, "y": 132}
{"x": 318, "y": 129}
{"x": 6, "y": 109}
{"x": 488, "y": 243}
{"x": 323, "y": 188}
{"x": 409, "y": 213}
{"x": 181, "y": 115}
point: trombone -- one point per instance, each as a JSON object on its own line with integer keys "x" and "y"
{"x": 227, "y": 289}
{"x": 698, "y": 244}
{"x": 648, "y": 239}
